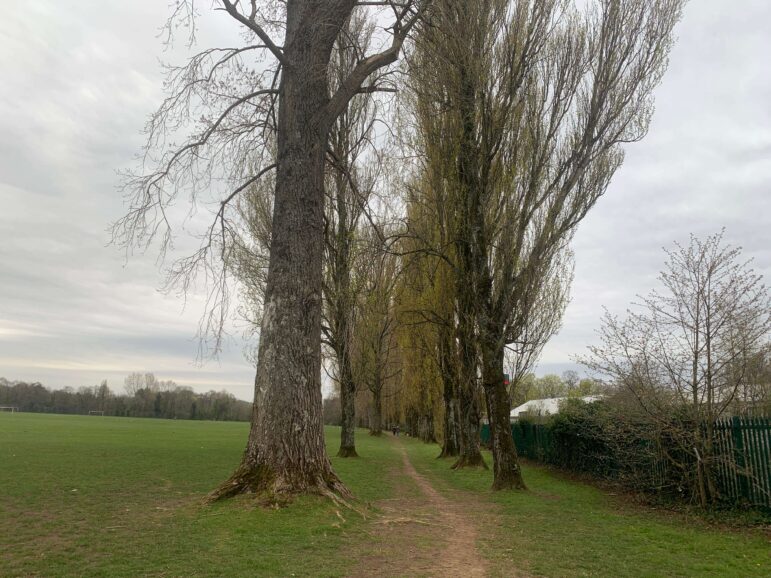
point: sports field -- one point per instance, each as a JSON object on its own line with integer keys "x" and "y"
{"x": 100, "y": 496}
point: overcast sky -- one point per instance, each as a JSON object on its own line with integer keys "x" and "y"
{"x": 78, "y": 79}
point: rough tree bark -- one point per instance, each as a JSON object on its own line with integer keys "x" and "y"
{"x": 285, "y": 452}
{"x": 426, "y": 429}
{"x": 507, "y": 473}
{"x": 470, "y": 454}
{"x": 376, "y": 415}
{"x": 450, "y": 440}
{"x": 451, "y": 435}
{"x": 466, "y": 271}
{"x": 343, "y": 306}
{"x": 348, "y": 407}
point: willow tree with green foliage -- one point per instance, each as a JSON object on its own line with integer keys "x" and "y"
{"x": 531, "y": 102}
{"x": 374, "y": 351}
{"x": 420, "y": 297}
{"x": 426, "y": 297}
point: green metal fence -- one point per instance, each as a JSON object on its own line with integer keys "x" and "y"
{"x": 742, "y": 451}
{"x": 745, "y": 470}
{"x": 533, "y": 441}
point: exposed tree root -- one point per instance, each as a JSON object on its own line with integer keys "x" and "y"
{"x": 464, "y": 462}
{"x": 509, "y": 482}
{"x": 244, "y": 480}
{"x": 337, "y": 497}
{"x": 347, "y": 452}
{"x": 271, "y": 490}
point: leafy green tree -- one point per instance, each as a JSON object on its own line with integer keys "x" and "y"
{"x": 529, "y": 103}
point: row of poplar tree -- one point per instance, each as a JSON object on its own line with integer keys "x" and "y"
{"x": 394, "y": 186}
{"x": 447, "y": 266}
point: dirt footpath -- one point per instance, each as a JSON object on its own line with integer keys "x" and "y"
{"x": 421, "y": 532}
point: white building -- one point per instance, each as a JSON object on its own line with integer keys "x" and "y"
{"x": 545, "y": 407}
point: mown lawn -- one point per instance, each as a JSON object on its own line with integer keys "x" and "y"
{"x": 565, "y": 528}
{"x": 101, "y": 496}
{"x": 98, "y": 496}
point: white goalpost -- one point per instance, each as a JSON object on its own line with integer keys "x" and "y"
{"x": 96, "y": 412}
{"x": 9, "y": 408}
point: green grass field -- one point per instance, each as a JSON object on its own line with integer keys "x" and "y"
{"x": 100, "y": 496}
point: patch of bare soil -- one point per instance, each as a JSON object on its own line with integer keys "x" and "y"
{"x": 421, "y": 532}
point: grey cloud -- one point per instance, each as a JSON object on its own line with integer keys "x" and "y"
{"x": 78, "y": 79}
{"x": 705, "y": 164}
{"x": 78, "y": 83}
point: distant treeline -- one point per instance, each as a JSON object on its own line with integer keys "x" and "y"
{"x": 146, "y": 397}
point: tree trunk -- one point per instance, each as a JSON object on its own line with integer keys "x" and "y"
{"x": 341, "y": 303}
{"x": 426, "y": 429}
{"x": 450, "y": 441}
{"x": 347, "y": 406}
{"x": 489, "y": 412}
{"x": 701, "y": 481}
{"x": 451, "y": 434}
{"x": 470, "y": 453}
{"x": 507, "y": 473}
{"x": 411, "y": 424}
{"x": 376, "y": 421}
{"x": 709, "y": 458}
{"x": 285, "y": 452}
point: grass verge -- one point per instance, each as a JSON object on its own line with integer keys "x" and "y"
{"x": 566, "y": 528}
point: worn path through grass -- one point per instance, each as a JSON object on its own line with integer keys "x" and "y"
{"x": 420, "y": 531}
{"x": 564, "y": 528}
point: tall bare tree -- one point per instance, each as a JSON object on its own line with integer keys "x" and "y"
{"x": 264, "y": 106}
{"x": 533, "y": 100}
{"x": 689, "y": 350}
{"x": 755, "y": 395}
{"x": 352, "y": 167}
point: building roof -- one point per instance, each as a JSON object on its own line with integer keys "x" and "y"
{"x": 547, "y": 406}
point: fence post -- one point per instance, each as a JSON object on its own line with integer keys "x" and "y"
{"x": 737, "y": 435}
